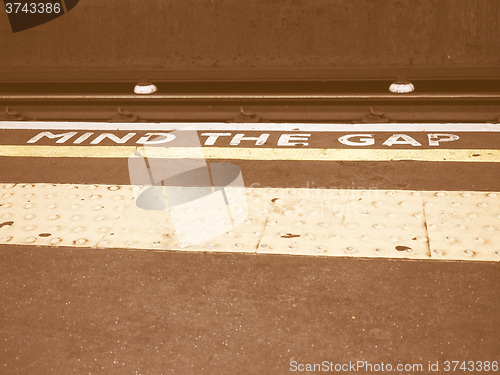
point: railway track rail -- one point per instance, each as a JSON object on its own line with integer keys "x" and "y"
{"x": 277, "y": 102}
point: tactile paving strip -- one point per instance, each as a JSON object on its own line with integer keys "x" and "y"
{"x": 320, "y": 222}
{"x": 347, "y": 223}
{"x": 60, "y": 215}
{"x": 463, "y": 225}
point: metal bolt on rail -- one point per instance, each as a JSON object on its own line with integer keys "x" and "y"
{"x": 12, "y": 115}
{"x": 246, "y": 116}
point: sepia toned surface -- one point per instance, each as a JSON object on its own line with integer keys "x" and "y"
{"x": 278, "y": 39}
{"x": 67, "y": 310}
{"x": 373, "y": 224}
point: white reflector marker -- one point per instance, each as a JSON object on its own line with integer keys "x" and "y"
{"x": 145, "y": 88}
{"x": 401, "y": 86}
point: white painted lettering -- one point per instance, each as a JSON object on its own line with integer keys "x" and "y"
{"x": 212, "y": 137}
{"x": 293, "y": 139}
{"x": 259, "y": 141}
{"x": 434, "y": 139}
{"x": 395, "y": 140}
{"x": 366, "y": 140}
{"x": 113, "y": 137}
{"x": 82, "y": 138}
{"x": 64, "y": 136}
{"x": 163, "y": 138}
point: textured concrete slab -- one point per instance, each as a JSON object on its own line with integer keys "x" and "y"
{"x": 313, "y": 222}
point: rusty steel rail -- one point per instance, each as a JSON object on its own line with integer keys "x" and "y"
{"x": 458, "y": 102}
{"x": 250, "y": 97}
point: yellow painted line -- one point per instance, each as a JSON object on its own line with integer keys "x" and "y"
{"x": 67, "y": 151}
{"x": 240, "y": 153}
